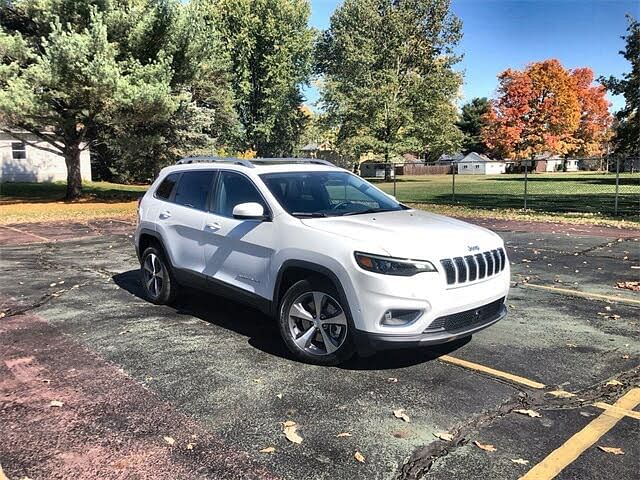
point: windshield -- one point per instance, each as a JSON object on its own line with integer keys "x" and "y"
{"x": 327, "y": 194}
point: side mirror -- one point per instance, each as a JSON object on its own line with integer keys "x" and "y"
{"x": 248, "y": 211}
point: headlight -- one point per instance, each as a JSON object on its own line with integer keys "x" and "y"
{"x": 392, "y": 266}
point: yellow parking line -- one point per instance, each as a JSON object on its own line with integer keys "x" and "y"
{"x": 576, "y": 293}
{"x": 2, "y": 475}
{"x": 491, "y": 371}
{"x": 560, "y": 458}
{"x": 621, "y": 411}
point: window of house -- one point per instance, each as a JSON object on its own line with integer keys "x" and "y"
{"x": 18, "y": 150}
{"x": 477, "y": 166}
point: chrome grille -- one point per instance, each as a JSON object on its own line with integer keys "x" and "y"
{"x": 474, "y": 267}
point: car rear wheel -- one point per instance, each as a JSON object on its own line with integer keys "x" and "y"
{"x": 157, "y": 279}
{"x": 314, "y": 325}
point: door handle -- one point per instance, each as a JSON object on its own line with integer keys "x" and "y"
{"x": 213, "y": 226}
{"x": 164, "y": 215}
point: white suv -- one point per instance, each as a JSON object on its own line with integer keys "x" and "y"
{"x": 342, "y": 265}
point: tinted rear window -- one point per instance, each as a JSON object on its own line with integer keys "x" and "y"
{"x": 193, "y": 189}
{"x": 166, "y": 187}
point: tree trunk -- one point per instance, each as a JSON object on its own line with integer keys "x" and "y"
{"x": 74, "y": 178}
{"x": 387, "y": 167}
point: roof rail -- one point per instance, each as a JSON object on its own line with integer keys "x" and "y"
{"x": 316, "y": 161}
{"x": 235, "y": 161}
{"x": 252, "y": 162}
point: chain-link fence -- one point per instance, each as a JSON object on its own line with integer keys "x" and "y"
{"x": 608, "y": 186}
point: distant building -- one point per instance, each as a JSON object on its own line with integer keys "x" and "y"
{"x": 25, "y": 162}
{"x": 547, "y": 162}
{"x": 448, "y": 159}
{"x": 478, "y": 164}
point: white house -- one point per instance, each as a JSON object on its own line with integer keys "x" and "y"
{"x": 24, "y": 162}
{"x": 478, "y": 164}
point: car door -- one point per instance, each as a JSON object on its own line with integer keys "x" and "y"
{"x": 181, "y": 222}
{"x": 238, "y": 252}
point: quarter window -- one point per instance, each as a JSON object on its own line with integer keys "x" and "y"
{"x": 18, "y": 150}
{"x": 234, "y": 189}
{"x": 193, "y": 189}
{"x": 165, "y": 189}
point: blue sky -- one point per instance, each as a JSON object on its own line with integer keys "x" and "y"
{"x": 501, "y": 34}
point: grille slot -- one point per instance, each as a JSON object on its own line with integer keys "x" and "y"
{"x": 462, "y": 269}
{"x": 474, "y": 267}
{"x": 482, "y": 265}
{"x": 468, "y": 318}
{"x": 449, "y": 270}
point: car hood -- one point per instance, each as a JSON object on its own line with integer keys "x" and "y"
{"x": 411, "y": 234}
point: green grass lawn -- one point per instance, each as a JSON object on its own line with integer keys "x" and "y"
{"x": 567, "y": 197}
{"x": 47, "y": 192}
{"x": 567, "y": 193}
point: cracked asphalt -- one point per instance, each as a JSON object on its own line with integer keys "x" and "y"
{"x": 198, "y": 390}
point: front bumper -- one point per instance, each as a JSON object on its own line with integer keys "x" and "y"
{"x": 368, "y": 342}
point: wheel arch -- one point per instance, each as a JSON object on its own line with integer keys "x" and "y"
{"x": 292, "y": 271}
{"x": 148, "y": 238}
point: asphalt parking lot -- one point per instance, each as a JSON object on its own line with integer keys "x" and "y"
{"x": 197, "y": 391}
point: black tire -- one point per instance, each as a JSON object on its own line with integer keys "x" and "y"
{"x": 163, "y": 279}
{"x": 293, "y": 328}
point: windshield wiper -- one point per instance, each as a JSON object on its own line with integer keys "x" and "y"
{"x": 368, "y": 210}
{"x": 309, "y": 214}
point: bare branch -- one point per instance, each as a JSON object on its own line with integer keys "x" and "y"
{"x": 18, "y": 136}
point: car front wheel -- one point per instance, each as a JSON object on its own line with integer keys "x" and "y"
{"x": 314, "y": 324}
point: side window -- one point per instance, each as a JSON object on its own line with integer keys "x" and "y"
{"x": 193, "y": 189}
{"x": 166, "y": 187}
{"x": 234, "y": 189}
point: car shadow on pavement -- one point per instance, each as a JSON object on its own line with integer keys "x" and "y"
{"x": 262, "y": 332}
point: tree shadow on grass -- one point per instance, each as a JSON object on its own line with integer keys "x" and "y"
{"x": 262, "y": 331}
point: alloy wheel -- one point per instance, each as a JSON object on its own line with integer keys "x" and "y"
{"x": 317, "y": 323}
{"x": 154, "y": 274}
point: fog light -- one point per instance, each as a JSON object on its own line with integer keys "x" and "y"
{"x": 400, "y": 317}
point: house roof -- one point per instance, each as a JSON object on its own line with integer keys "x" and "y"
{"x": 453, "y": 157}
{"x": 474, "y": 157}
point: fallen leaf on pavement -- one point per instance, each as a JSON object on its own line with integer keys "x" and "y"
{"x": 279, "y": 395}
{"x": 392, "y": 380}
{"x": 400, "y": 413}
{"x": 359, "y": 457}
{"x": 571, "y": 345}
{"x": 56, "y": 403}
{"x": 169, "y": 440}
{"x": 633, "y": 286}
{"x": 613, "y": 383}
{"x": 447, "y": 437}
{"x": 625, "y": 357}
{"x": 520, "y": 461}
{"x": 190, "y": 446}
{"x": 289, "y": 429}
{"x": 343, "y": 434}
{"x": 484, "y": 446}
{"x": 562, "y": 394}
{"x": 268, "y": 450}
{"x": 530, "y": 413}
{"x": 614, "y": 450}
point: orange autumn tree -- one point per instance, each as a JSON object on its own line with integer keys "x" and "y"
{"x": 546, "y": 108}
{"x": 594, "y": 130}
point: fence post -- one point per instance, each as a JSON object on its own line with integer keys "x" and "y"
{"x": 453, "y": 184}
{"x": 394, "y": 180}
{"x": 615, "y": 205}
{"x": 526, "y": 168}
